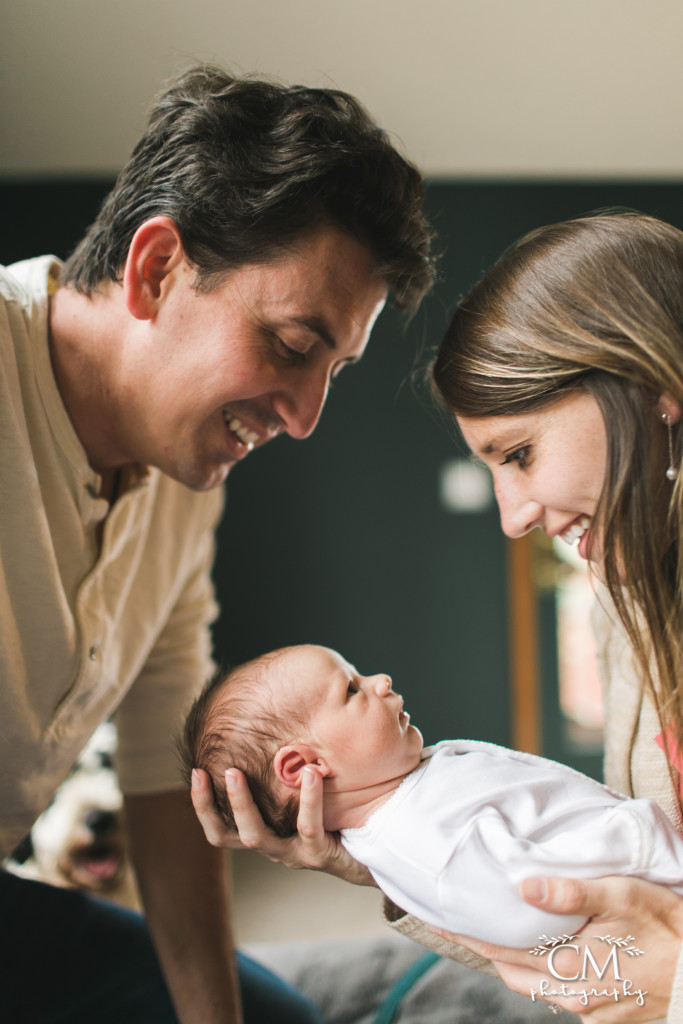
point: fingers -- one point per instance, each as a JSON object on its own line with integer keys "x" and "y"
{"x": 560, "y": 895}
{"x": 608, "y": 898}
{"x": 309, "y": 822}
{"x": 254, "y": 834}
{"x": 321, "y": 850}
{"x": 487, "y": 950}
{"x": 539, "y": 987}
{"x": 312, "y": 847}
{"x": 214, "y": 827}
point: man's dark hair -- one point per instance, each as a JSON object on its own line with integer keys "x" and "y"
{"x": 246, "y": 167}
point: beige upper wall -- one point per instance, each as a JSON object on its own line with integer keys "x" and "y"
{"x": 469, "y": 87}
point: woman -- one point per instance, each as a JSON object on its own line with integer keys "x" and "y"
{"x": 564, "y": 368}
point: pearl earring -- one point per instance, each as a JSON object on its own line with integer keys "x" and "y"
{"x": 671, "y": 472}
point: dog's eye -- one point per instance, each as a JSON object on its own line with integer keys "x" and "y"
{"x": 106, "y": 760}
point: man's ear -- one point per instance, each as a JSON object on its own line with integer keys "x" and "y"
{"x": 155, "y": 251}
{"x": 668, "y": 406}
{"x": 290, "y": 761}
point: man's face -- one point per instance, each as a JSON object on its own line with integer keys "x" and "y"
{"x": 355, "y": 723}
{"x": 220, "y": 373}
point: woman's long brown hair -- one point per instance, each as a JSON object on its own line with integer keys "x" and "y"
{"x": 595, "y": 304}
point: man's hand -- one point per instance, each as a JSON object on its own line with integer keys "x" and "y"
{"x": 312, "y": 847}
{"x": 651, "y": 914}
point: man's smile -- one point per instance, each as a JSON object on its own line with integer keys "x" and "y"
{"x": 246, "y": 436}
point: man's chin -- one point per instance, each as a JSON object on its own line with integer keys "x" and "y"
{"x": 201, "y": 478}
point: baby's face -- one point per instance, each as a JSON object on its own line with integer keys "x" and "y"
{"x": 356, "y": 723}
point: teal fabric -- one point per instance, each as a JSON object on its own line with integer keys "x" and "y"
{"x": 391, "y": 1005}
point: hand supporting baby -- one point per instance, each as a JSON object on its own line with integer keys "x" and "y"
{"x": 312, "y": 847}
{"x": 652, "y": 914}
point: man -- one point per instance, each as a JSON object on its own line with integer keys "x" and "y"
{"x": 237, "y": 266}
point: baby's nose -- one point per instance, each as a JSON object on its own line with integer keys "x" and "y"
{"x": 382, "y": 685}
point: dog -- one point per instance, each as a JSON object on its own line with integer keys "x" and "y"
{"x": 78, "y": 841}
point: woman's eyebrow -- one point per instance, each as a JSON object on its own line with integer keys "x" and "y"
{"x": 490, "y": 448}
{"x": 498, "y": 443}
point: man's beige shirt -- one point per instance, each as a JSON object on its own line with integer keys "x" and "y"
{"x": 84, "y": 631}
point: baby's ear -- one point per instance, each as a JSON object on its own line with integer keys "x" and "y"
{"x": 290, "y": 761}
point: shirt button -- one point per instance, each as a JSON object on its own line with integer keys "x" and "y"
{"x": 92, "y": 653}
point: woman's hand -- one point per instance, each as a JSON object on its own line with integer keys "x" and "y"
{"x": 651, "y": 916}
{"x": 312, "y": 847}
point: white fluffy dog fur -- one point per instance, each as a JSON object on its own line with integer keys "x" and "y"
{"x": 78, "y": 841}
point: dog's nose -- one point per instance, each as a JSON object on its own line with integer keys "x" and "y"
{"x": 100, "y": 822}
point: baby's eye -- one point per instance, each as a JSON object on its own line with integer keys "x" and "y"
{"x": 351, "y": 689}
{"x": 520, "y": 456}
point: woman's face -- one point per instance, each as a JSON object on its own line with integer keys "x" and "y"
{"x": 548, "y": 468}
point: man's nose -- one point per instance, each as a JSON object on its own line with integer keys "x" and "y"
{"x": 300, "y": 409}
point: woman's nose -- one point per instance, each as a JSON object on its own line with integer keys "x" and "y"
{"x": 518, "y": 514}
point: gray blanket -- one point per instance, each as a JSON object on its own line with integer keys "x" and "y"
{"x": 351, "y": 982}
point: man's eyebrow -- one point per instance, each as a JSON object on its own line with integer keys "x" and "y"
{"x": 316, "y": 326}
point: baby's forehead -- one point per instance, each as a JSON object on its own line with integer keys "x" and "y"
{"x": 310, "y": 658}
{"x": 304, "y": 666}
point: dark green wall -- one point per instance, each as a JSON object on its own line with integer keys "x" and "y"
{"x": 341, "y": 540}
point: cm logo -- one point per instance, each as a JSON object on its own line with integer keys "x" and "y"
{"x": 588, "y": 959}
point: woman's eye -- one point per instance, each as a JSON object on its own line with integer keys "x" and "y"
{"x": 520, "y": 456}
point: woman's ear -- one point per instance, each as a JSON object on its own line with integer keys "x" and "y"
{"x": 290, "y": 761}
{"x": 155, "y": 251}
{"x": 668, "y": 406}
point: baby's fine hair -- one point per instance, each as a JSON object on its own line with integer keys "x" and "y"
{"x": 230, "y": 725}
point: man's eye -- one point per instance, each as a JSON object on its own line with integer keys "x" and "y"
{"x": 520, "y": 456}
{"x": 286, "y": 352}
